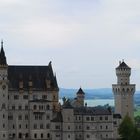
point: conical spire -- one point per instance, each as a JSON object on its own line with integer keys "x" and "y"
{"x": 80, "y": 91}
{"x": 2, "y": 55}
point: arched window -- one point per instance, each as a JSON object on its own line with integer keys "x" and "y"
{"x": 127, "y": 89}
{"x": 123, "y": 89}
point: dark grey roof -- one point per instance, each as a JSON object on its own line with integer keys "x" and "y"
{"x": 58, "y": 117}
{"x": 37, "y": 74}
{"x": 92, "y": 111}
{"x": 123, "y": 65}
{"x": 80, "y": 91}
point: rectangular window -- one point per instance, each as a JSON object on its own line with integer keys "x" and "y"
{"x": 92, "y": 118}
{"x": 19, "y": 126}
{"x": 35, "y": 126}
{"x": 19, "y": 107}
{"x": 10, "y": 117}
{"x": 87, "y": 118}
{"x": 44, "y": 96}
{"x": 47, "y": 126}
{"x": 20, "y": 117}
{"x": 101, "y": 118}
{"x": 106, "y": 118}
{"x": 47, "y": 117}
{"x": 16, "y": 97}
{"x": 41, "y": 126}
{"x": 3, "y": 125}
{"x": 25, "y": 97}
{"x": 106, "y": 127}
{"x": 26, "y": 117}
{"x": 57, "y": 127}
{"x": 26, "y": 107}
{"x": 13, "y": 107}
{"x": 26, "y": 126}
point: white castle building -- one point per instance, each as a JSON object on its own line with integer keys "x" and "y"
{"x": 30, "y": 109}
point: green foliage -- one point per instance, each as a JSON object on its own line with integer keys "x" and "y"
{"x": 128, "y": 130}
{"x": 137, "y": 119}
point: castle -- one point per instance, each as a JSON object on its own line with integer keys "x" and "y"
{"x": 30, "y": 109}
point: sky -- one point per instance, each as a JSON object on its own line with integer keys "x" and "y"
{"x": 84, "y": 39}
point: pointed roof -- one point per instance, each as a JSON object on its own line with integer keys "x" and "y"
{"x": 123, "y": 65}
{"x": 2, "y": 56}
{"x": 80, "y": 91}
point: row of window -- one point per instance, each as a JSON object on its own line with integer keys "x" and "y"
{"x": 88, "y": 127}
{"x": 123, "y": 89}
{"x": 92, "y": 118}
{"x": 39, "y": 117}
{"x": 41, "y": 107}
{"x": 41, "y": 135}
{"x": 21, "y": 117}
{"x": 13, "y": 107}
{"x": 25, "y": 126}
{"x": 41, "y": 126}
{"x": 26, "y": 97}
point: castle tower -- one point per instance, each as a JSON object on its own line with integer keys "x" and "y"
{"x": 3, "y": 95}
{"x": 124, "y": 91}
{"x": 80, "y": 96}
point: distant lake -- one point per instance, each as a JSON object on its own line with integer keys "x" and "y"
{"x": 96, "y": 102}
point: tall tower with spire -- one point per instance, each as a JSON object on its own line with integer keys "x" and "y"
{"x": 3, "y": 95}
{"x": 124, "y": 91}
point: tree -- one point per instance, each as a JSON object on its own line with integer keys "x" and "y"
{"x": 126, "y": 128}
{"x": 135, "y": 134}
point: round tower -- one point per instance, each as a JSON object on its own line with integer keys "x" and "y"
{"x": 124, "y": 91}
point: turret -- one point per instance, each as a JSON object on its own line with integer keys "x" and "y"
{"x": 124, "y": 91}
{"x": 3, "y": 95}
{"x": 80, "y": 96}
{"x": 123, "y": 72}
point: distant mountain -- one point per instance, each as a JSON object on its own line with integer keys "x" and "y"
{"x": 102, "y": 93}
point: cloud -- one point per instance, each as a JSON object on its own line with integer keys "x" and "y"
{"x": 90, "y": 36}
